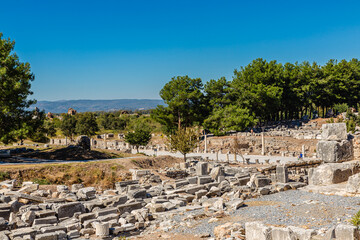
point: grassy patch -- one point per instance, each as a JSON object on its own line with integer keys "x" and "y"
{"x": 4, "y": 176}
{"x": 41, "y": 181}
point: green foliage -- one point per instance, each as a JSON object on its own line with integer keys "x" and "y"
{"x": 86, "y": 124}
{"x": 185, "y": 101}
{"x": 15, "y": 83}
{"x": 109, "y": 121}
{"x": 68, "y": 125}
{"x": 229, "y": 118}
{"x": 183, "y": 140}
{"x": 4, "y": 176}
{"x": 139, "y": 137}
{"x": 144, "y": 122}
{"x": 41, "y": 181}
{"x": 350, "y": 125}
{"x": 340, "y": 107}
{"x": 355, "y": 220}
{"x": 331, "y": 120}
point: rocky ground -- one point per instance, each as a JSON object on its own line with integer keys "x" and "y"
{"x": 290, "y": 208}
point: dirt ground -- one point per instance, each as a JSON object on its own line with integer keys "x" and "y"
{"x": 70, "y": 153}
{"x": 102, "y": 174}
{"x": 169, "y": 236}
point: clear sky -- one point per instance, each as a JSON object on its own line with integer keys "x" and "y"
{"x": 130, "y": 49}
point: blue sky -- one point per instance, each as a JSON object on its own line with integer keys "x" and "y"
{"x": 130, "y": 49}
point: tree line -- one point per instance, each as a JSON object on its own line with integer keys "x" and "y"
{"x": 260, "y": 92}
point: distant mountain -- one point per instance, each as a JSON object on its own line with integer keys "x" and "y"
{"x": 97, "y": 105}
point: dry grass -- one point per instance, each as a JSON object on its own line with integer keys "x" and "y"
{"x": 102, "y": 173}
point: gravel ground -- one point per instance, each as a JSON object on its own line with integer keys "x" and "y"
{"x": 290, "y": 208}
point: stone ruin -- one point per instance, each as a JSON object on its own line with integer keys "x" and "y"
{"x": 83, "y": 142}
{"x": 139, "y": 205}
{"x": 335, "y": 144}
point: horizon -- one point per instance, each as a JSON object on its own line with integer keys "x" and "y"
{"x": 130, "y": 50}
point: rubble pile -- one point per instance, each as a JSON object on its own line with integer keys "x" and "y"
{"x": 29, "y": 212}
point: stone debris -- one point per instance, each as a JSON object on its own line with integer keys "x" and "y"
{"x": 145, "y": 203}
{"x": 334, "y": 145}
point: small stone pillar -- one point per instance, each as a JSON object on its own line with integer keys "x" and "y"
{"x": 217, "y": 156}
{"x": 303, "y": 151}
{"x": 227, "y": 157}
{"x": 102, "y": 229}
{"x": 205, "y": 137}
{"x": 201, "y": 168}
{"x": 262, "y": 144}
{"x": 282, "y": 175}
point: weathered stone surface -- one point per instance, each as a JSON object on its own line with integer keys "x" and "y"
{"x": 282, "y": 175}
{"x": 46, "y": 236}
{"x": 28, "y": 217}
{"x": 76, "y": 187}
{"x": 105, "y": 211}
{"x": 303, "y": 234}
{"x": 22, "y": 232}
{"x": 343, "y": 231}
{"x": 334, "y": 151}
{"x": 235, "y": 204}
{"x": 87, "y": 193}
{"x": 282, "y": 234}
{"x": 201, "y": 168}
{"x": 128, "y": 207}
{"x": 68, "y": 209}
{"x": 47, "y": 220}
{"x": 137, "y": 193}
{"x": 334, "y": 131}
{"x": 204, "y": 180}
{"x": 53, "y": 229}
{"x": 194, "y": 189}
{"x": 217, "y": 172}
{"x": 224, "y": 231}
{"x": 331, "y": 173}
{"x": 353, "y": 184}
{"x": 102, "y": 229}
{"x": 257, "y": 231}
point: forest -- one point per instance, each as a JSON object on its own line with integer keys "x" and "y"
{"x": 260, "y": 92}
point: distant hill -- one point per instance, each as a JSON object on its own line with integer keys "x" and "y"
{"x": 97, "y": 105}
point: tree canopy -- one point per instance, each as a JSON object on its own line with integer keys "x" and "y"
{"x": 15, "y": 83}
{"x": 260, "y": 92}
{"x": 139, "y": 137}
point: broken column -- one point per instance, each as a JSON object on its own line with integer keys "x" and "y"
{"x": 282, "y": 175}
{"x": 262, "y": 144}
{"x": 102, "y": 229}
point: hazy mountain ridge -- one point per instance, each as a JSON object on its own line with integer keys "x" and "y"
{"x": 97, "y": 105}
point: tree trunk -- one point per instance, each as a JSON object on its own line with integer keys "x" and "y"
{"x": 137, "y": 149}
{"x": 184, "y": 157}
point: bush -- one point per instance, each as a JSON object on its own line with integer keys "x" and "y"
{"x": 356, "y": 219}
{"x": 4, "y": 176}
{"x": 340, "y": 108}
{"x": 350, "y": 125}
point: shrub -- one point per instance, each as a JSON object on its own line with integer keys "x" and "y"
{"x": 4, "y": 175}
{"x": 356, "y": 219}
{"x": 350, "y": 125}
{"x": 340, "y": 108}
